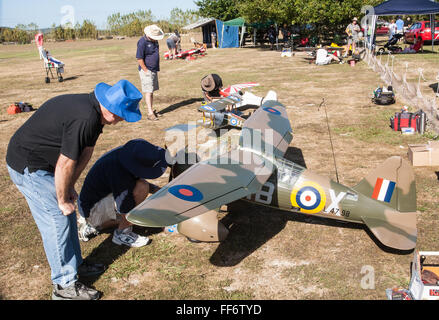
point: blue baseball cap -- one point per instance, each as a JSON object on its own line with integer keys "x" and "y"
{"x": 143, "y": 159}
{"x": 122, "y": 99}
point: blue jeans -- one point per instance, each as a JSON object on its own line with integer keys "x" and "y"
{"x": 59, "y": 232}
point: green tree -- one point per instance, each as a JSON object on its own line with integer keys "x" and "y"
{"x": 131, "y": 24}
{"x": 59, "y": 33}
{"x": 88, "y": 30}
{"x": 280, "y": 11}
{"x": 219, "y": 9}
{"x": 32, "y": 27}
{"x": 179, "y": 18}
{"x": 327, "y": 16}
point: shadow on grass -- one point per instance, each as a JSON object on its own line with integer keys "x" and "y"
{"x": 107, "y": 252}
{"x": 72, "y": 78}
{"x": 177, "y": 105}
{"x": 251, "y": 227}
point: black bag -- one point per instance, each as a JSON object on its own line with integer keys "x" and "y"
{"x": 24, "y": 106}
{"x": 384, "y": 98}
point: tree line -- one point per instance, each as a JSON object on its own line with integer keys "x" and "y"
{"x": 25, "y": 33}
{"x": 324, "y": 15}
{"x": 130, "y": 25}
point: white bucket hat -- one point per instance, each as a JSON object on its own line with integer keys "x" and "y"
{"x": 154, "y": 32}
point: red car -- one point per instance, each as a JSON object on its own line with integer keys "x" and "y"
{"x": 421, "y": 30}
{"x": 382, "y": 29}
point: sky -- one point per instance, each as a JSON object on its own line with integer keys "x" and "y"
{"x": 46, "y": 12}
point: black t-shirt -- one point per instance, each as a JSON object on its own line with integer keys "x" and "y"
{"x": 64, "y": 124}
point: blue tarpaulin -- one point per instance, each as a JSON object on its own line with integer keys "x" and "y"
{"x": 394, "y": 7}
{"x": 228, "y": 36}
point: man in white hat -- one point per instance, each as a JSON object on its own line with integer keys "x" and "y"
{"x": 148, "y": 58}
{"x": 352, "y": 31}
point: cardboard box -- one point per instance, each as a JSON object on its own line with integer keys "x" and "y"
{"x": 422, "y": 155}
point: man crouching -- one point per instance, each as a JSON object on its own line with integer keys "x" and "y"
{"x": 115, "y": 185}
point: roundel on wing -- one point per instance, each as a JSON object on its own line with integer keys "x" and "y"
{"x": 208, "y": 108}
{"x": 233, "y": 122}
{"x": 186, "y": 193}
{"x": 272, "y": 111}
{"x": 309, "y": 197}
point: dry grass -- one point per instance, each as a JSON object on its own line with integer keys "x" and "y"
{"x": 269, "y": 254}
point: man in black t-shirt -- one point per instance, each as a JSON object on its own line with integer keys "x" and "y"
{"x": 46, "y": 156}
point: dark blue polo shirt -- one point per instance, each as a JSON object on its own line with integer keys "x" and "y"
{"x": 109, "y": 176}
{"x": 148, "y": 51}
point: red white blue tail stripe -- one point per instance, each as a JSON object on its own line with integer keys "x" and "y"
{"x": 383, "y": 190}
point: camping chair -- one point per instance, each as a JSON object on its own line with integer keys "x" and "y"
{"x": 51, "y": 63}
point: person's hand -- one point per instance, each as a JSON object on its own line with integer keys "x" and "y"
{"x": 66, "y": 208}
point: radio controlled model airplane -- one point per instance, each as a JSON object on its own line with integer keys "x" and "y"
{"x": 385, "y": 200}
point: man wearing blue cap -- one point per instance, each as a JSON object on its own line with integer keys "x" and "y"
{"x": 45, "y": 158}
{"x": 115, "y": 185}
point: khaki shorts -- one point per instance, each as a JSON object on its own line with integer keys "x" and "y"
{"x": 149, "y": 80}
{"x": 103, "y": 211}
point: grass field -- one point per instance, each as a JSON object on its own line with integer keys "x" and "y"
{"x": 269, "y": 254}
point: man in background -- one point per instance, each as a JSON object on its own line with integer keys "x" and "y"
{"x": 173, "y": 43}
{"x": 399, "y": 25}
{"x": 352, "y": 31}
{"x": 148, "y": 58}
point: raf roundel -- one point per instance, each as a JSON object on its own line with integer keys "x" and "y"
{"x": 272, "y": 111}
{"x": 309, "y": 197}
{"x": 233, "y": 122}
{"x": 186, "y": 193}
{"x": 208, "y": 108}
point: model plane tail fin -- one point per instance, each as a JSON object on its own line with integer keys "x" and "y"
{"x": 392, "y": 183}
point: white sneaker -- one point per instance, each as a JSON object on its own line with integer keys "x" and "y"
{"x": 129, "y": 238}
{"x": 86, "y": 231}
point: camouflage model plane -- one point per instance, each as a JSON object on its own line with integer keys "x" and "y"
{"x": 385, "y": 200}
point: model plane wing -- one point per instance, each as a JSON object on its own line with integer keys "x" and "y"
{"x": 220, "y": 105}
{"x": 204, "y": 186}
{"x": 270, "y": 121}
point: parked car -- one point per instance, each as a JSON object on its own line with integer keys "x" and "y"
{"x": 382, "y": 28}
{"x": 421, "y": 30}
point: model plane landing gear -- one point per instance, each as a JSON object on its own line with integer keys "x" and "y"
{"x": 204, "y": 228}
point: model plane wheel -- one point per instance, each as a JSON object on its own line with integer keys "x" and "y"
{"x": 60, "y": 79}
{"x": 47, "y": 80}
